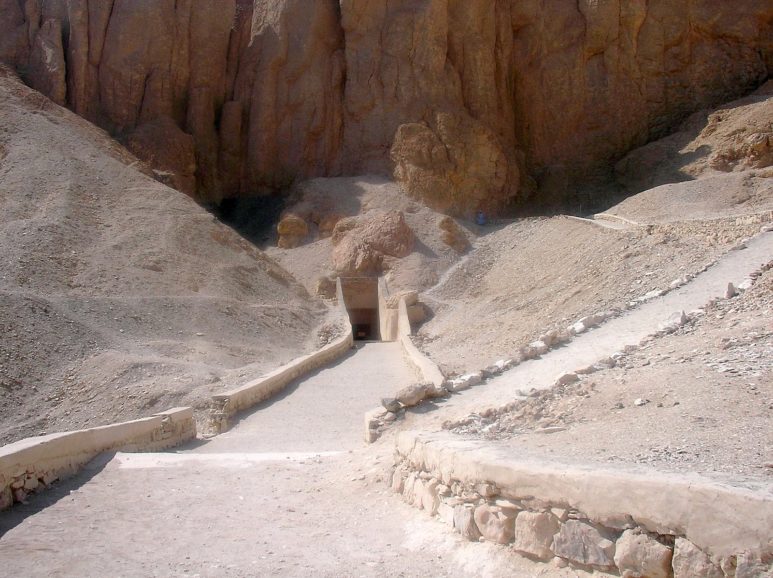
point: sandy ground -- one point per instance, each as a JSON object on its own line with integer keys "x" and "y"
{"x": 118, "y": 295}
{"x": 538, "y": 274}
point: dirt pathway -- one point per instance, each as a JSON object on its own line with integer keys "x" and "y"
{"x": 290, "y": 491}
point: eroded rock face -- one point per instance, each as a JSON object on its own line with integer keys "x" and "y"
{"x": 291, "y": 84}
{"x": 47, "y": 67}
{"x": 478, "y": 102}
{"x": 456, "y": 164}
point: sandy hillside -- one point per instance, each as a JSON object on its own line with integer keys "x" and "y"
{"x": 119, "y": 295}
{"x": 732, "y": 138}
{"x": 537, "y": 274}
{"x": 697, "y": 400}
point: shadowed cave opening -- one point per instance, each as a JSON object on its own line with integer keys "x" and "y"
{"x": 253, "y": 217}
{"x": 361, "y": 300}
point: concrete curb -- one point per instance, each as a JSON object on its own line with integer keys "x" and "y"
{"x": 428, "y": 369}
{"x": 617, "y": 218}
{"x": 32, "y": 464}
{"x": 225, "y": 406}
{"x": 727, "y": 523}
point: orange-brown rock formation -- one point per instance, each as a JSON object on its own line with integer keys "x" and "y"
{"x": 518, "y": 99}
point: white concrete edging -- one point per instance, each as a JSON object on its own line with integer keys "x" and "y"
{"x": 723, "y": 521}
{"x": 31, "y": 464}
{"x": 428, "y": 369}
{"x": 226, "y": 405}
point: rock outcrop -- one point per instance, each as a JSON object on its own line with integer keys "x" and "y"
{"x": 476, "y": 104}
{"x": 737, "y": 136}
{"x": 361, "y": 244}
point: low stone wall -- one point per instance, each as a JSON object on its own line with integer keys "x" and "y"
{"x": 226, "y": 405}
{"x": 633, "y": 524}
{"x": 32, "y": 464}
{"x": 428, "y": 369}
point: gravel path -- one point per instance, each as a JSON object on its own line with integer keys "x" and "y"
{"x": 324, "y": 411}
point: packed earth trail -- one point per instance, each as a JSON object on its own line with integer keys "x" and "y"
{"x": 288, "y": 492}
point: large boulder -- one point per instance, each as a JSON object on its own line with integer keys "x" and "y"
{"x": 292, "y": 230}
{"x": 455, "y": 164}
{"x": 453, "y": 235}
{"x": 360, "y": 244}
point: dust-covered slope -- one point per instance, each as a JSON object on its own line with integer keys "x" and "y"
{"x": 368, "y": 197}
{"x": 118, "y": 295}
{"x": 538, "y": 274}
{"x": 715, "y": 188}
{"x": 718, "y": 163}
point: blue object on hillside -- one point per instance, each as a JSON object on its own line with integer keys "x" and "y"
{"x": 480, "y": 218}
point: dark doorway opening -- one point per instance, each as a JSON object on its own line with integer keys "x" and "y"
{"x": 364, "y": 324}
{"x": 361, "y": 299}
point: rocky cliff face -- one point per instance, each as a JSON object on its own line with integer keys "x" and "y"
{"x": 471, "y": 103}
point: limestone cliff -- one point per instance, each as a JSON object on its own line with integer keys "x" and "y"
{"x": 472, "y": 103}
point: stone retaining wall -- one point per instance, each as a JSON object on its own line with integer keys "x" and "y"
{"x": 387, "y": 318}
{"x": 32, "y": 464}
{"x": 225, "y": 406}
{"x": 633, "y": 524}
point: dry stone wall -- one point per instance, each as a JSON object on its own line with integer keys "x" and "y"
{"x": 31, "y": 465}
{"x": 564, "y": 516}
{"x": 472, "y": 104}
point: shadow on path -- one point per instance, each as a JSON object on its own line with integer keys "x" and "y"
{"x": 58, "y": 490}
